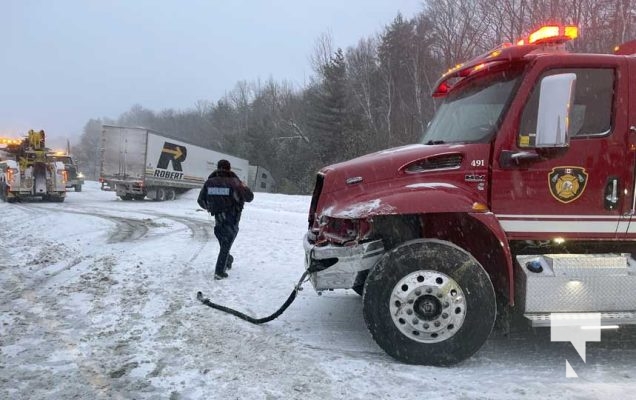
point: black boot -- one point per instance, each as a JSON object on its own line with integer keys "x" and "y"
{"x": 220, "y": 275}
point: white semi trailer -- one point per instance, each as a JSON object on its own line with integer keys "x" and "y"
{"x": 139, "y": 162}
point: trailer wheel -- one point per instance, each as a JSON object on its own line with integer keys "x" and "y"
{"x": 170, "y": 194}
{"x": 126, "y": 197}
{"x": 429, "y": 302}
{"x": 78, "y": 188}
{"x": 160, "y": 194}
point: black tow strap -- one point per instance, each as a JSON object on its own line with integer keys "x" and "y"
{"x": 253, "y": 320}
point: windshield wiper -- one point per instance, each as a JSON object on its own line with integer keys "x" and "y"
{"x": 435, "y": 142}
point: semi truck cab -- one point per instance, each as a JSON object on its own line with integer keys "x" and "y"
{"x": 519, "y": 196}
{"x": 75, "y": 178}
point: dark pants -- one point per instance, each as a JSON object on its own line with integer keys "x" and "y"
{"x": 226, "y": 226}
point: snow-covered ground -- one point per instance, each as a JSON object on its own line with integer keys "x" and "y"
{"x": 98, "y": 301}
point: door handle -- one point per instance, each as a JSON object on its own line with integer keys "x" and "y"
{"x": 509, "y": 159}
{"x": 611, "y": 194}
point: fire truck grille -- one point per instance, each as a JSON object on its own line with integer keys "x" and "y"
{"x": 314, "y": 199}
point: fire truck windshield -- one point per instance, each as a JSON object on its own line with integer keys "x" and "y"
{"x": 471, "y": 113}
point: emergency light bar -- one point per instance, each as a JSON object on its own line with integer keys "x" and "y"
{"x": 537, "y": 40}
{"x": 626, "y": 49}
{"x": 10, "y": 141}
{"x": 551, "y": 34}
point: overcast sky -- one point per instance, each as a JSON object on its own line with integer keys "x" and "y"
{"x": 63, "y": 62}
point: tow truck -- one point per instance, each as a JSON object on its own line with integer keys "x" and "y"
{"x": 519, "y": 199}
{"x": 26, "y": 171}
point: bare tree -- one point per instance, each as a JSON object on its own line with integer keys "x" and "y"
{"x": 323, "y": 51}
{"x": 459, "y": 29}
{"x": 362, "y": 69}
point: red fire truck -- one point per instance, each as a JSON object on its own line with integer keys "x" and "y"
{"x": 520, "y": 196}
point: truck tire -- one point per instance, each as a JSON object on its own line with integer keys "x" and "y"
{"x": 358, "y": 286}
{"x": 160, "y": 194}
{"x": 78, "y": 188}
{"x": 170, "y": 194}
{"x": 126, "y": 197}
{"x": 429, "y": 302}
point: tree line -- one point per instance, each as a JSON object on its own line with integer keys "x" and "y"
{"x": 369, "y": 96}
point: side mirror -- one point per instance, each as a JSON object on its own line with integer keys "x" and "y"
{"x": 555, "y": 103}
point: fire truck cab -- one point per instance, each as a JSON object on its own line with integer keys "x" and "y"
{"x": 520, "y": 196}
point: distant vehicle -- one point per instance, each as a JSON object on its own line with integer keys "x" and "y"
{"x": 261, "y": 180}
{"x": 75, "y": 179}
{"x": 137, "y": 163}
{"x": 26, "y": 171}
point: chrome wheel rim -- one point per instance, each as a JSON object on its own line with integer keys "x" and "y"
{"x": 427, "y": 306}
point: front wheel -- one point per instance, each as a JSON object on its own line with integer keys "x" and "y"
{"x": 429, "y": 302}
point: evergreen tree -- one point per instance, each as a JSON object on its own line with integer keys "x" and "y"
{"x": 328, "y": 119}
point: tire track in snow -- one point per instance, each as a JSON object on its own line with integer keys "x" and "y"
{"x": 126, "y": 229}
{"x": 201, "y": 231}
{"x": 55, "y": 332}
{"x": 46, "y": 261}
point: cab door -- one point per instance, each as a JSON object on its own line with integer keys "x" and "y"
{"x": 631, "y": 122}
{"x": 579, "y": 191}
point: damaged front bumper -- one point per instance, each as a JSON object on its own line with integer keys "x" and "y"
{"x": 338, "y": 267}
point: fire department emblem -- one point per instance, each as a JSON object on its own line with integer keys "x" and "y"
{"x": 567, "y": 183}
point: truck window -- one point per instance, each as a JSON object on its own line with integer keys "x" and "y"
{"x": 62, "y": 159}
{"x": 592, "y": 109}
{"x": 472, "y": 112}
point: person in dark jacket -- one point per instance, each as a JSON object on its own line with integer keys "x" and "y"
{"x": 224, "y": 195}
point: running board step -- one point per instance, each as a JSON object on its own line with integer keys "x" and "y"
{"x": 607, "y": 318}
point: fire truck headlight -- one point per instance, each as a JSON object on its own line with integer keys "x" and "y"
{"x": 343, "y": 230}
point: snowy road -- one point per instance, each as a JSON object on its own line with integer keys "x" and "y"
{"x": 97, "y": 300}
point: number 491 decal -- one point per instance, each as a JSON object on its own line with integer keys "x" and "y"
{"x": 477, "y": 163}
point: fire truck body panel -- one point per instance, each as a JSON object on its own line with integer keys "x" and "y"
{"x": 594, "y": 160}
{"x": 405, "y": 181}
